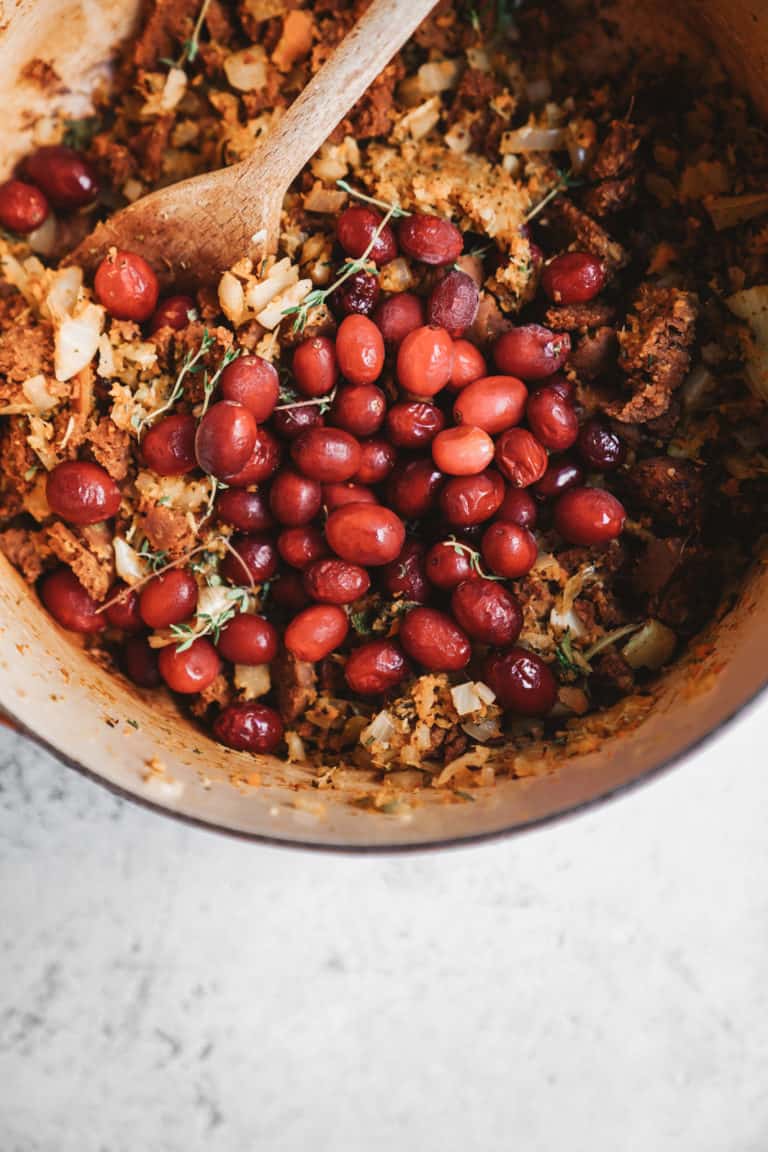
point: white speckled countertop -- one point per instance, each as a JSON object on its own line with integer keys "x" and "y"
{"x": 597, "y": 986}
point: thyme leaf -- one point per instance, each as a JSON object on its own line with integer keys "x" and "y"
{"x": 475, "y": 561}
{"x": 211, "y": 623}
{"x": 190, "y": 364}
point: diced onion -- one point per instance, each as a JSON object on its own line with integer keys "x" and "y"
{"x": 43, "y": 239}
{"x": 439, "y": 76}
{"x": 232, "y": 298}
{"x": 751, "y": 304}
{"x": 533, "y": 139}
{"x": 36, "y": 391}
{"x": 253, "y": 680}
{"x": 63, "y": 293}
{"x": 652, "y": 647}
{"x": 128, "y": 564}
{"x": 76, "y": 341}
{"x": 729, "y": 211}
{"x": 247, "y": 70}
{"x": 380, "y": 730}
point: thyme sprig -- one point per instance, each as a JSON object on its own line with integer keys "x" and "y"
{"x": 475, "y": 561}
{"x": 190, "y": 365}
{"x": 191, "y": 47}
{"x": 394, "y": 209}
{"x": 211, "y": 623}
{"x": 564, "y": 182}
{"x": 154, "y": 560}
{"x": 209, "y": 383}
{"x": 290, "y": 398}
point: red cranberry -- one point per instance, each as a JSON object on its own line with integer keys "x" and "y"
{"x": 168, "y": 447}
{"x": 454, "y": 302}
{"x": 358, "y": 293}
{"x": 192, "y": 670}
{"x": 244, "y": 510}
{"x": 493, "y": 403}
{"x": 168, "y": 599}
{"x": 518, "y": 507}
{"x": 375, "y": 668}
{"x": 295, "y": 499}
{"x": 23, "y": 208}
{"x": 377, "y": 459}
{"x": 398, "y": 315}
{"x": 560, "y": 475}
{"x": 248, "y": 639}
{"x": 425, "y": 361}
{"x": 405, "y": 575}
{"x": 64, "y": 175}
{"x": 469, "y": 500}
{"x": 600, "y": 448}
{"x": 430, "y": 239}
{"x": 139, "y": 663}
{"x": 316, "y": 632}
{"x": 573, "y": 278}
{"x": 291, "y": 421}
{"x": 299, "y": 547}
{"x": 413, "y": 488}
{"x": 509, "y": 550}
{"x": 264, "y": 460}
{"x": 588, "y": 516}
{"x": 414, "y": 423}
{"x": 520, "y": 457}
{"x": 123, "y": 612}
{"x": 462, "y": 451}
{"x": 82, "y": 493}
{"x": 252, "y": 382}
{"x": 468, "y": 365}
{"x": 448, "y": 563}
{"x": 359, "y": 409}
{"x": 365, "y": 534}
{"x": 531, "y": 352}
{"x": 360, "y": 350}
{"x": 337, "y": 495}
{"x": 126, "y": 285}
{"x": 521, "y": 681}
{"x": 552, "y": 419}
{"x": 69, "y": 603}
{"x": 356, "y": 228}
{"x": 329, "y": 455}
{"x": 433, "y": 640}
{"x": 249, "y": 727}
{"x": 225, "y": 439}
{"x": 334, "y": 581}
{"x": 173, "y": 312}
{"x": 255, "y": 559}
{"x": 315, "y": 367}
{"x": 487, "y": 612}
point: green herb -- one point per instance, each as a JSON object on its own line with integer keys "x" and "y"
{"x": 475, "y": 562}
{"x": 360, "y": 621}
{"x": 209, "y": 384}
{"x": 79, "y": 133}
{"x": 154, "y": 560}
{"x": 191, "y": 364}
{"x": 211, "y": 624}
{"x": 564, "y": 182}
{"x": 31, "y": 472}
{"x": 394, "y": 210}
{"x": 464, "y": 795}
{"x": 191, "y": 47}
{"x": 570, "y": 663}
{"x": 133, "y": 724}
{"x": 291, "y": 400}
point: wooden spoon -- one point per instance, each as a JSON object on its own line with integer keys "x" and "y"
{"x": 192, "y": 231}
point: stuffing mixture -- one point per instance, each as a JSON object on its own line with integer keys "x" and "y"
{"x": 476, "y": 453}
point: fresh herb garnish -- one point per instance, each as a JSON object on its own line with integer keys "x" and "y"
{"x": 190, "y": 365}
{"x": 211, "y": 623}
{"x": 154, "y": 560}
{"x": 79, "y": 133}
{"x": 564, "y": 182}
{"x": 290, "y": 400}
{"x": 475, "y": 561}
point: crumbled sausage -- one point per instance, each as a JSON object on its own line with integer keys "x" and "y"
{"x": 18, "y": 465}
{"x": 614, "y": 170}
{"x": 296, "y": 683}
{"x": 454, "y": 745}
{"x": 112, "y": 448}
{"x": 218, "y": 692}
{"x": 670, "y": 491}
{"x": 586, "y": 234}
{"x": 25, "y": 550}
{"x": 579, "y": 317}
{"x": 611, "y": 675}
{"x": 95, "y": 572}
{"x": 594, "y": 354}
{"x": 168, "y": 529}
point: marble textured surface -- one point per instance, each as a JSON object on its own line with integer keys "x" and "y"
{"x": 598, "y": 985}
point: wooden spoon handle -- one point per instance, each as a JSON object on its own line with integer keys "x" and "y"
{"x": 310, "y": 120}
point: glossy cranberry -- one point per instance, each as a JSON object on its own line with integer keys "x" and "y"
{"x": 469, "y": 500}
{"x": 413, "y": 424}
{"x": 520, "y": 457}
{"x": 334, "y": 581}
{"x": 562, "y": 385}
{"x": 398, "y": 315}
{"x": 225, "y": 439}
{"x": 252, "y": 382}
{"x": 365, "y": 534}
{"x": 453, "y": 303}
{"x": 256, "y": 560}
{"x": 487, "y": 612}
{"x": 299, "y": 547}
{"x": 359, "y": 293}
{"x": 561, "y": 474}
{"x": 316, "y": 632}
{"x": 287, "y": 591}
{"x": 124, "y": 613}
{"x": 360, "y": 350}
{"x": 552, "y": 419}
{"x": 192, "y": 670}
{"x": 139, "y": 663}
{"x": 263, "y": 462}
{"x": 294, "y": 499}
{"x": 355, "y": 229}
{"x": 375, "y": 668}
{"x": 425, "y": 360}
{"x": 462, "y": 451}
{"x": 531, "y": 352}
{"x": 573, "y": 278}
{"x": 359, "y": 409}
{"x": 168, "y": 599}
{"x": 509, "y": 550}
{"x": 448, "y": 563}
{"x": 521, "y": 681}
{"x": 588, "y": 516}
{"x": 248, "y": 639}
{"x": 244, "y": 510}
{"x": 249, "y": 727}
{"x": 430, "y": 239}
{"x": 173, "y": 312}
{"x": 23, "y": 208}
{"x": 315, "y": 366}
{"x": 64, "y": 175}
{"x": 413, "y": 488}
{"x": 600, "y": 448}
{"x": 468, "y": 365}
{"x": 168, "y": 447}
{"x": 377, "y": 459}
{"x": 405, "y": 575}
{"x": 69, "y": 603}
{"x": 82, "y": 493}
{"x": 493, "y": 403}
{"x": 329, "y": 455}
{"x": 126, "y": 285}
{"x": 337, "y": 495}
{"x": 291, "y": 421}
{"x": 434, "y": 640}
{"x": 518, "y": 507}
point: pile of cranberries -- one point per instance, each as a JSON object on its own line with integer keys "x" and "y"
{"x": 417, "y": 426}
{"x": 54, "y": 177}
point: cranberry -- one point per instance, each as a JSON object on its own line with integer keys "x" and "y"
{"x": 82, "y": 493}
{"x": 448, "y": 563}
{"x": 316, "y": 632}
{"x": 192, "y": 670}
{"x": 375, "y": 668}
{"x": 573, "y": 278}
{"x": 434, "y": 641}
{"x": 126, "y": 285}
{"x": 23, "y": 208}
{"x": 244, "y": 510}
{"x": 288, "y": 590}
{"x": 509, "y": 550}
{"x": 248, "y": 639}
{"x": 168, "y": 599}
{"x": 295, "y": 499}
{"x": 315, "y": 367}
{"x": 462, "y": 451}
{"x": 531, "y": 352}
{"x": 264, "y": 460}
{"x": 365, "y": 534}
{"x": 413, "y": 488}
{"x": 139, "y": 663}
{"x": 291, "y": 421}
{"x": 360, "y": 350}
{"x": 487, "y": 612}
{"x": 326, "y": 454}
{"x": 561, "y": 474}
{"x": 69, "y": 603}
{"x": 225, "y": 439}
{"x": 588, "y": 516}
{"x": 333, "y": 581}
{"x": 252, "y": 382}
{"x": 469, "y": 500}
{"x": 356, "y": 228}
{"x": 552, "y": 419}
{"x": 168, "y": 447}
{"x": 405, "y": 575}
{"x": 173, "y": 312}
{"x": 521, "y": 681}
{"x": 430, "y": 239}
{"x": 468, "y": 365}
{"x": 563, "y": 386}
{"x": 377, "y": 459}
{"x": 249, "y": 727}
{"x": 123, "y": 613}
{"x": 414, "y": 423}
{"x": 358, "y": 293}
{"x": 64, "y": 175}
{"x": 299, "y": 547}
{"x": 518, "y": 507}
{"x": 493, "y": 403}
{"x": 520, "y": 457}
{"x": 398, "y": 315}
{"x": 359, "y": 409}
{"x": 337, "y": 495}
{"x": 454, "y": 302}
{"x": 600, "y": 448}
{"x": 425, "y": 360}
{"x": 256, "y": 559}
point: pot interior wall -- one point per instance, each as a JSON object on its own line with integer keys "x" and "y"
{"x": 142, "y": 745}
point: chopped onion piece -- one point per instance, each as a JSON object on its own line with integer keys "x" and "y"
{"x": 652, "y": 647}
{"x": 77, "y": 341}
{"x": 729, "y": 211}
{"x": 232, "y": 298}
{"x": 533, "y": 139}
{"x": 43, "y": 239}
{"x": 63, "y": 293}
{"x": 253, "y": 680}
{"x": 751, "y": 304}
{"x": 295, "y": 746}
{"x": 439, "y": 76}
{"x": 35, "y": 388}
{"x": 380, "y": 730}
{"x": 247, "y": 70}
{"x": 128, "y": 564}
